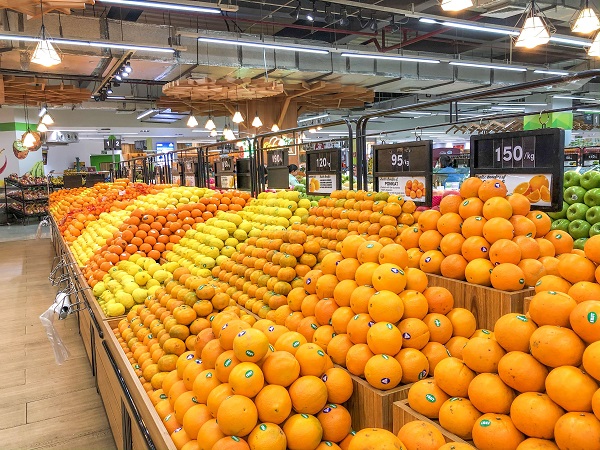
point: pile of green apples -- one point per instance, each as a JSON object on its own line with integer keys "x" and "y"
{"x": 580, "y": 215}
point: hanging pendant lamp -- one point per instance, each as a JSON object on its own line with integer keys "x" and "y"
{"x": 45, "y": 54}
{"x": 456, "y": 5}
{"x": 535, "y": 30}
{"x": 587, "y": 21}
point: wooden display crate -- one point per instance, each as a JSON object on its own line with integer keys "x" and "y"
{"x": 133, "y": 420}
{"x": 526, "y": 303}
{"x": 404, "y": 414}
{"x": 370, "y": 407}
{"x": 487, "y": 304}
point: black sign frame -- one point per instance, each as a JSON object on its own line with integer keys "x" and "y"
{"x": 547, "y": 145}
{"x": 278, "y": 157}
{"x": 385, "y": 165}
{"x": 590, "y": 154}
{"x": 112, "y": 144}
{"x": 326, "y": 161}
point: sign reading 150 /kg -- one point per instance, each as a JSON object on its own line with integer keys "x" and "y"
{"x": 404, "y": 169}
{"x": 323, "y": 171}
{"x": 528, "y": 162}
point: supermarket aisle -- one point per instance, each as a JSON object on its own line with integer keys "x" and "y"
{"x": 43, "y": 405}
{"x": 20, "y": 232}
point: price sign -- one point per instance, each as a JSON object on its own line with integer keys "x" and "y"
{"x": 112, "y": 144}
{"x": 225, "y": 165}
{"x": 277, "y": 158}
{"x": 323, "y": 171}
{"x": 591, "y": 157}
{"x": 572, "y": 157}
{"x": 528, "y": 162}
{"x": 404, "y": 169}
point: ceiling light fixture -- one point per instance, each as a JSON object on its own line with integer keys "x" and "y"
{"x": 344, "y": 20}
{"x": 312, "y": 15}
{"x": 237, "y": 117}
{"x": 587, "y": 20}
{"x": 488, "y": 66}
{"x": 390, "y": 57}
{"x": 45, "y": 54}
{"x": 47, "y": 119}
{"x": 594, "y": 50}
{"x": 296, "y": 12}
{"x": 43, "y": 111}
{"x": 42, "y": 128}
{"x": 551, "y": 72}
{"x": 146, "y": 113}
{"x": 192, "y": 121}
{"x": 308, "y": 119}
{"x": 373, "y": 24}
{"x": 536, "y": 30}
{"x": 257, "y": 123}
{"x": 213, "y": 132}
{"x": 275, "y": 128}
{"x": 456, "y": 5}
{"x": 179, "y": 6}
{"x": 265, "y": 45}
{"x": 210, "y": 124}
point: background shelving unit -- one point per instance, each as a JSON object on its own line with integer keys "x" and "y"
{"x": 20, "y": 197}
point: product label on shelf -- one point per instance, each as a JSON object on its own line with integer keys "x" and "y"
{"x": 528, "y": 162}
{"x": 591, "y": 158}
{"x": 227, "y": 181}
{"x": 324, "y": 184}
{"x": 404, "y": 169}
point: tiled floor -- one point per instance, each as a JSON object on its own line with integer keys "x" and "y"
{"x": 20, "y": 232}
{"x": 42, "y": 404}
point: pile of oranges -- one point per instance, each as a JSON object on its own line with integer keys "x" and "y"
{"x": 374, "y": 316}
{"x": 485, "y": 237}
{"x": 535, "y": 379}
{"x": 347, "y": 213}
{"x": 242, "y": 385}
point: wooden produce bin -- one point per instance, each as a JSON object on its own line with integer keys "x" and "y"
{"x": 404, "y": 414}
{"x": 370, "y": 407}
{"x": 526, "y": 303}
{"x": 133, "y": 420}
{"x": 487, "y": 304}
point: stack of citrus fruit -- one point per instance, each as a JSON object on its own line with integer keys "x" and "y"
{"x": 485, "y": 237}
{"x": 375, "y": 316}
{"x": 534, "y": 380}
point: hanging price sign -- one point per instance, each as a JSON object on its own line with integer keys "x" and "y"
{"x": 323, "y": 171}
{"x": 528, "y": 162}
{"x": 404, "y": 169}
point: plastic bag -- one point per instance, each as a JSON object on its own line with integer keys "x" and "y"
{"x": 43, "y": 223}
{"x": 61, "y": 307}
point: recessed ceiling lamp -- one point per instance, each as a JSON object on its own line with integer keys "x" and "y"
{"x": 535, "y": 30}
{"x": 456, "y": 5}
{"x": 44, "y": 53}
{"x": 192, "y": 121}
{"x": 587, "y": 21}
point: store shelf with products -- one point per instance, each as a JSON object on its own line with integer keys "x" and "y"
{"x": 26, "y": 197}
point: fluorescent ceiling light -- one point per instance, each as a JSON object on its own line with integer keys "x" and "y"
{"x": 465, "y": 26}
{"x": 265, "y": 45}
{"x": 428, "y": 20}
{"x": 456, "y": 5}
{"x": 518, "y": 105}
{"x": 589, "y": 110}
{"x": 561, "y": 40}
{"x": 581, "y": 99}
{"x": 504, "y": 108}
{"x": 474, "y": 103}
{"x": 587, "y": 21}
{"x": 417, "y": 113}
{"x": 115, "y": 97}
{"x": 488, "y": 66}
{"x": 308, "y": 119}
{"x": 551, "y": 72}
{"x": 146, "y": 113}
{"x": 165, "y": 5}
{"x": 389, "y": 57}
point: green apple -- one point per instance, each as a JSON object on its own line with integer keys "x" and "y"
{"x": 579, "y": 243}
{"x": 595, "y": 230}
{"x": 562, "y": 214}
{"x": 560, "y": 224}
{"x": 574, "y": 194}
{"x": 579, "y": 229}
{"x": 592, "y": 197}
{"x": 590, "y": 180}
{"x": 592, "y": 215}
{"x": 577, "y": 211}
{"x": 571, "y": 178}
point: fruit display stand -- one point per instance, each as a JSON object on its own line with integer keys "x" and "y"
{"x": 403, "y": 414}
{"x": 133, "y": 420}
{"x": 373, "y": 408}
{"x": 487, "y": 304}
{"x": 526, "y": 303}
